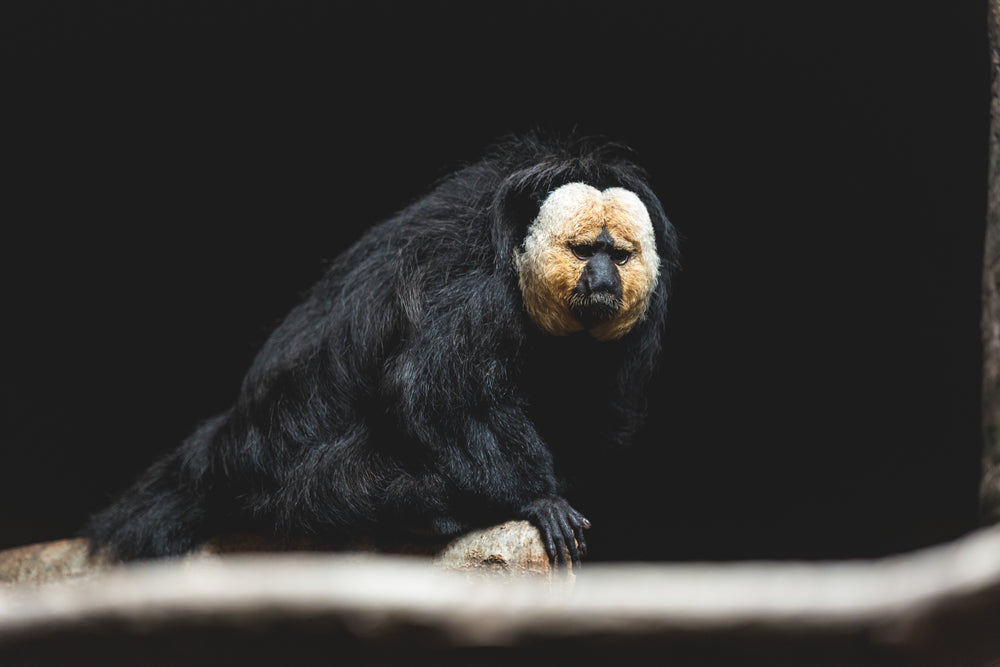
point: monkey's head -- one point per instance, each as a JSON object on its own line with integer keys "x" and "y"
{"x": 588, "y": 262}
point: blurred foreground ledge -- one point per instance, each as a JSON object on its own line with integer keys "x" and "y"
{"x": 938, "y": 606}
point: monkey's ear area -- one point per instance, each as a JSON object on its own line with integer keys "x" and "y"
{"x": 667, "y": 242}
{"x": 515, "y": 205}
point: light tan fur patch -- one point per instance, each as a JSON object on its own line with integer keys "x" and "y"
{"x": 574, "y": 215}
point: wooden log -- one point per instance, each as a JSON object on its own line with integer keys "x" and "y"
{"x": 49, "y": 561}
{"x": 513, "y": 549}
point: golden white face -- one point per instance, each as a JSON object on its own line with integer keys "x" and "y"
{"x": 576, "y": 216}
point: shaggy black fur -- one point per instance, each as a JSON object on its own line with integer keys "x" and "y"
{"x": 410, "y": 393}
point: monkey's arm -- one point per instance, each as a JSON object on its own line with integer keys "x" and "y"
{"x": 496, "y": 465}
{"x": 455, "y": 389}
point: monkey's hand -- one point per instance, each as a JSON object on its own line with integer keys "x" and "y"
{"x": 561, "y": 527}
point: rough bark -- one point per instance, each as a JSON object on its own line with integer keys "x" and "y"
{"x": 513, "y": 549}
{"x": 990, "y": 488}
{"x": 49, "y": 561}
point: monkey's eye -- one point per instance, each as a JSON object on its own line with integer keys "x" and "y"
{"x": 620, "y": 256}
{"x": 582, "y": 251}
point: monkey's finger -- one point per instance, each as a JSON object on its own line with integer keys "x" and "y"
{"x": 580, "y": 542}
{"x": 579, "y": 519}
{"x": 569, "y": 540}
{"x": 560, "y": 543}
{"x": 550, "y": 539}
{"x": 578, "y": 523}
{"x": 550, "y": 545}
{"x": 557, "y": 531}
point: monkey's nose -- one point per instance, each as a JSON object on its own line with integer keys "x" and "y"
{"x": 601, "y": 275}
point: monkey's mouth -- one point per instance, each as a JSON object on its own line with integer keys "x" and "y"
{"x": 594, "y": 308}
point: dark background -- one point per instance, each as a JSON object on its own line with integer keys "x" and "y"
{"x": 179, "y": 172}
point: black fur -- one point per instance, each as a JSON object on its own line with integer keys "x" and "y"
{"x": 409, "y": 392}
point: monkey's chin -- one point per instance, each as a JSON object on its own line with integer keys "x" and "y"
{"x": 595, "y": 309}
